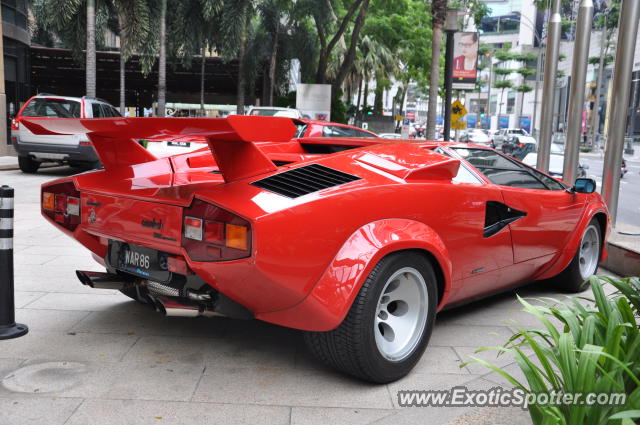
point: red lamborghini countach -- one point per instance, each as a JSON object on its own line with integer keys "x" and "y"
{"x": 358, "y": 242}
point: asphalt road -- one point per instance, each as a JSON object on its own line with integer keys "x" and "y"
{"x": 629, "y": 198}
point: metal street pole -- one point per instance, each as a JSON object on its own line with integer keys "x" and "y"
{"x": 448, "y": 84}
{"x": 576, "y": 93}
{"x": 549, "y": 87}
{"x": 488, "y": 109}
{"x": 595, "y": 115}
{"x": 535, "y": 98}
{"x": 617, "y": 110}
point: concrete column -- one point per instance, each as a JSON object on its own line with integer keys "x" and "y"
{"x": 576, "y": 93}
{"x": 619, "y": 103}
{"x": 4, "y": 147}
{"x": 548, "y": 87}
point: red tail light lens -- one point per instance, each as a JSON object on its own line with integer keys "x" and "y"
{"x": 213, "y": 234}
{"x": 61, "y": 203}
{"x": 15, "y": 124}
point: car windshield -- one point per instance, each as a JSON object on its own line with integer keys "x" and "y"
{"x": 52, "y": 108}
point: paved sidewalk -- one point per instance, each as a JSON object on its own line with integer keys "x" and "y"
{"x": 8, "y": 162}
{"x": 96, "y": 357}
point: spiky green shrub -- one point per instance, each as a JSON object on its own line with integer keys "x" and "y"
{"x": 592, "y": 348}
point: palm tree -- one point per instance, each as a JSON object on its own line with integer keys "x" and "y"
{"x": 185, "y": 42}
{"x": 133, "y": 18}
{"x": 376, "y": 60}
{"x": 162, "y": 60}
{"x": 91, "y": 49}
{"x": 79, "y": 25}
{"x": 438, "y": 16}
{"x": 236, "y": 20}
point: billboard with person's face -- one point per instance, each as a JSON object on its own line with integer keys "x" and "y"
{"x": 465, "y": 57}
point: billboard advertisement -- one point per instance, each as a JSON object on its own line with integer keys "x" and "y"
{"x": 465, "y": 60}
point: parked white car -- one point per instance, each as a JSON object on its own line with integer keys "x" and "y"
{"x": 74, "y": 149}
{"x": 274, "y": 111}
{"x": 556, "y": 162}
{"x": 519, "y": 135}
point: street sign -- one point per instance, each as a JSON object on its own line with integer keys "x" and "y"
{"x": 457, "y": 111}
{"x": 458, "y": 125}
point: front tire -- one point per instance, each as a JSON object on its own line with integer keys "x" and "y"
{"x": 28, "y": 165}
{"x": 584, "y": 263}
{"x": 388, "y": 325}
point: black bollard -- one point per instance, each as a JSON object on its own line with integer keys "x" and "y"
{"x": 8, "y": 326}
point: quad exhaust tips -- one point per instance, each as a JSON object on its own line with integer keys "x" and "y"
{"x": 174, "y": 308}
{"x": 99, "y": 280}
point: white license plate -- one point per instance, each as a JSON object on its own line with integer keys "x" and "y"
{"x": 46, "y": 155}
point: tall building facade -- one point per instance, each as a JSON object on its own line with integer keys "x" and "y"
{"x": 15, "y": 41}
{"x": 513, "y": 25}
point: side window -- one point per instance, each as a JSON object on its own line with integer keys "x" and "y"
{"x": 302, "y": 128}
{"x": 110, "y": 111}
{"x": 336, "y": 131}
{"x": 512, "y": 178}
{"x": 505, "y": 172}
{"x": 360, "y": 133}
{"x": 96, "y": 110}
{"x": 106, "y": 110}
{"x": 464, "y": 175}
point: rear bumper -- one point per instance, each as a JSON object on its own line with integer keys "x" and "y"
{"x": 70, "y": 152}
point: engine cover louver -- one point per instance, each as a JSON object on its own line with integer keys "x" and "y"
{"x": 304, "y": 180}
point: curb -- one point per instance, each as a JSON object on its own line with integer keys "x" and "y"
{"x": 622, "y": 260}
{"x": 14, "y": 167}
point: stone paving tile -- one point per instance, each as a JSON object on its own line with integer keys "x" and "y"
{"x": 135, "y": 318}
{"x": 33, "y": 259}
{"x": 81, "y": 302}
{"x": 75, "y": 250}
{"x": 116, "y": 412}
{"x": 49, "y": 320}
{"x": 494, "y": 416}
{"x": 9, "y": 365}
{"x": 465, "y": 335}
{"x": 97, "y": 380}
{"x": 215, "y": 353}
{"x": 431, "y": 415}
{"x": 427, "y": 381}
{"x": 489, "y": 356}
{"x": 289, "y": 387}
{"x": 24, "y": 298}
{"x": 315, "y": 415}
{"x": 63, "y": 346}
{"x": 38, "y": 282}
{"x": 37, "y": 411}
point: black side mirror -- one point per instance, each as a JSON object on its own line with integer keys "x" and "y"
{"x": 584, "y": 185}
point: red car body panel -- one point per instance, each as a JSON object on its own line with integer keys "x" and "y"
{"x": 310, "y": 255}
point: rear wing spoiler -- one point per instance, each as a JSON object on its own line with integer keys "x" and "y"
{"x": 230, "y": 139}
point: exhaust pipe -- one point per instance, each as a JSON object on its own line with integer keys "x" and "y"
{"x": 173, "y": 308}
{"x": 101, "y": 280}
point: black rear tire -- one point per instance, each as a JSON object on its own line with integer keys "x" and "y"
{"x": 28, "y": 165}
{"x": 352, "y": 347}
{"x": 572, "y": 279}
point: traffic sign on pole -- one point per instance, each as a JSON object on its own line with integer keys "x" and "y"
{"x": 457, "y": 110}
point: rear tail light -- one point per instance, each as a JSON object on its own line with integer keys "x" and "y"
{"x": 15, "y": 124}
{"x": 213, "y": 234}
{"x": 61, "y": 203}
